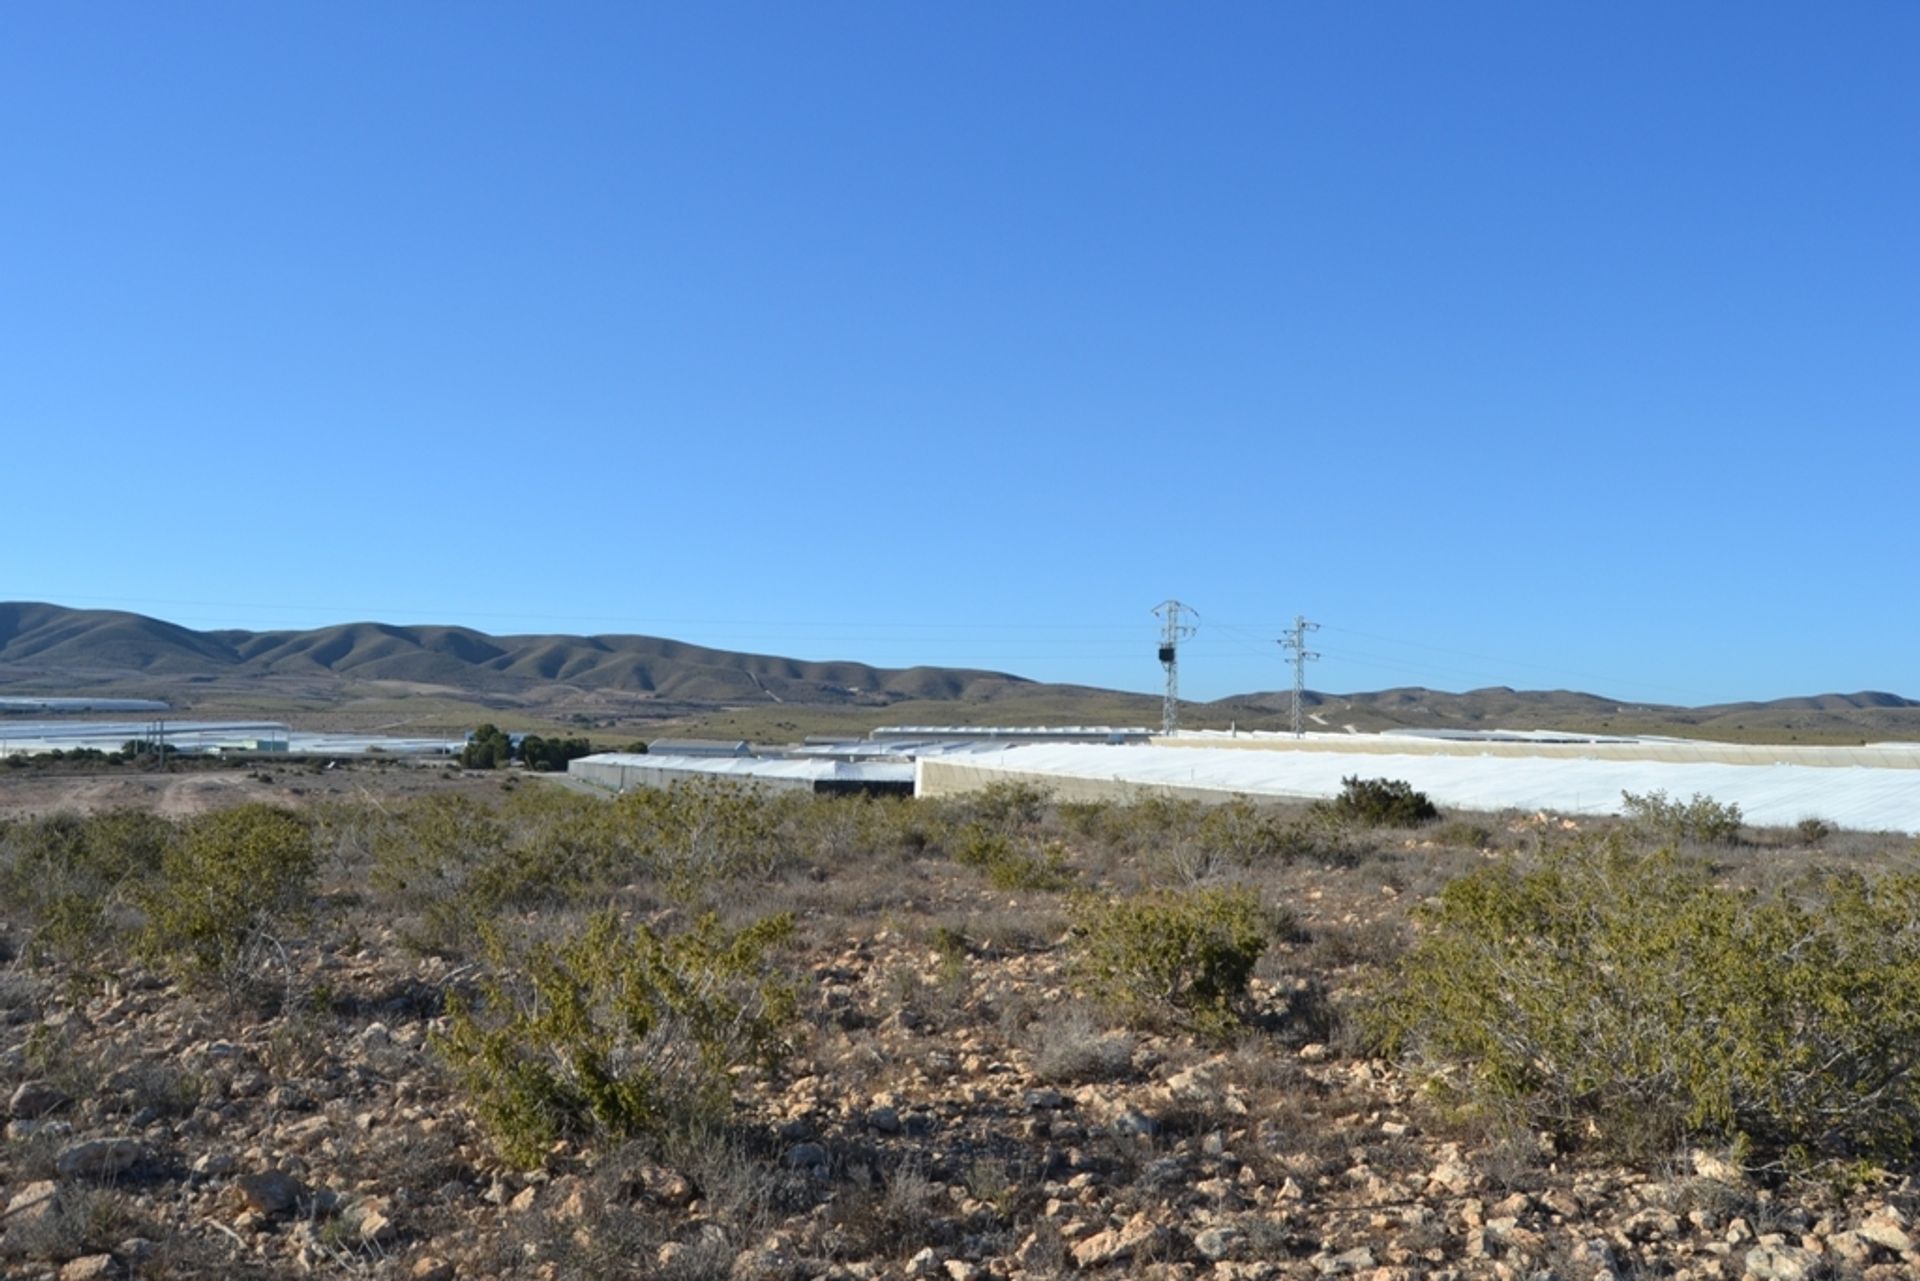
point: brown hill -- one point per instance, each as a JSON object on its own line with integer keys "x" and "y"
{"x": 1867, "y": 715}
{"x": 47, "y": 648}
{"x": 42, "y": 641}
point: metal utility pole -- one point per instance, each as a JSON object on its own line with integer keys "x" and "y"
{"x": 1171, "y": 634}
{"x": 1297, "y": 642}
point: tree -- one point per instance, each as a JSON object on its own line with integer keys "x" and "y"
{"x": 487, "y": 748}
{"x": 545, "y": 754}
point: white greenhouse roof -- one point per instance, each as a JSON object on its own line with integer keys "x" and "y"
{"x": 1853, "y": 796}
{"x": 199, "y": 736}
{"x": 758, "y": 767}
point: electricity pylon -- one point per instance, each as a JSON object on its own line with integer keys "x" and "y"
{"x": 1171, "y": 634}
{"x": 1297, "y": 642}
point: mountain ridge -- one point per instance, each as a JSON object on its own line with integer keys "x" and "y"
{"x": 41, "y": 638}
{"x": 43, "y": 646}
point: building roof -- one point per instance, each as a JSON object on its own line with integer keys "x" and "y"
{"x": 1863, "y": 797}
{"x": 701, "y": 747}
{"x": 812, "y": 769}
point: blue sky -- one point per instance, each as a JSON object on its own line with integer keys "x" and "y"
{"x": 1547, "y": 346}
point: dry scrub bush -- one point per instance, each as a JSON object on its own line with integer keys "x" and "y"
{"x": 1070, "y": 1047}
{"x": 1184, "y": 842}
{"x": 1004, "y": 807}
{"x": 1379, "y": 802}
{"x": 1184, "y": 955}
{"x": 1627, "y": 995}
{"x": 617, "y": 1032}
{"x": 1009, "y": 866}
{"x": 461, "y": 863}
{"x": 226, "y": 883}
{"x": 1701, "y": 819}
{"x": 80, "y": 1221}
{"x": 69, "y": 875}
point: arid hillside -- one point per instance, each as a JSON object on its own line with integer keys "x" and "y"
{"x": 378, "y": 676}
{"x": 405, "y": 1022}
{"x": 51, "y": 643}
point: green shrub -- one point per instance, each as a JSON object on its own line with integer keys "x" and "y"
{"x": 1246, "y": 834}
{"x": 1185, "y": 954}
{"x": 1086, "y": 819}
{"x": 224, "y": 884}
{"x": 705, "y": 834}
{"x": 1465, "y": 835}
{"x": 1812, "y": 831}
{"x": 1631, "y": 997}
{"x": 1379, "y": 802}
{"x": 1004, "y": 806}
{"x": 617, "y": 1033}
{"x": 459, "y": 862}
{"x": 1700, "y": 819}
{"x": 1008, "y": 866}
{"x": 70, "y": 874}
{"x": 427, "y": 848}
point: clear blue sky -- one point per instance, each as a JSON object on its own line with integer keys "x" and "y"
{"x": 1541, "y": 345}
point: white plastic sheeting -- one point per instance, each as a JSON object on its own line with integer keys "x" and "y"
{"x": 59, "y": 705}
{"x": 201, "y": 736}
{"x": 1529, "y": 744}
{"x": 1861, "y": 797}
{"x": 623, "y": 769}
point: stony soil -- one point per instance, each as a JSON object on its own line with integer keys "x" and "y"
{"x": 953, "y": 1110}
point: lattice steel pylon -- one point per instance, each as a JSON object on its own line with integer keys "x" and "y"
{"x": 1172, "y": 632}
{"x": 1296, "y": 641}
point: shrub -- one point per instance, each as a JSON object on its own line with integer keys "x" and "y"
{"x": 1812, "y": 831}
{"x": 1009, "y": 867}
{"x": 1188, "y": 954}
{"x": 1069, "y": 1046}
{"x": 616, "y": 1032}
{"x": 224, "y": 884}
{"x": 1380, "y": 802}
{"x": 70, "y": 873}
{"x": 1629, "y": 996}
{"x": 701, "y": 834}
{"x": 1700, "y": 819}
{"x": 460, "y": 863}
{"x": 1465, "y": 835}
{"x": 426, "y": 850}
{"x": 1005, "y": 806}
{"x": 1246, "y": 834}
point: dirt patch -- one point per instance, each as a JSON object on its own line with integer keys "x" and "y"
{"x": 29, "y": 792}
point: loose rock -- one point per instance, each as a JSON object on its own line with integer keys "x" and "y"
{"x": 101, "y": 1158}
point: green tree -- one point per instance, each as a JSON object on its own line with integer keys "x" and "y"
{"x": 487, "y": 748}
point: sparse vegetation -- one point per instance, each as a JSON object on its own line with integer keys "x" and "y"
{"x": 707, "y": 1032}
{"x": 225, "y": 883}
{"x": 618, "y": 1031}
{"x": 1187, "y": 954}
{"x": 1010, "y": 866}
{"x": 1701, "y": 819}
{"x": 1625, "y": 996}
{"x": 1381, "y": 802}
{"x": 72, "y": 875}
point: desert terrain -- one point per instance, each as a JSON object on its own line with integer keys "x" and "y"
{"x": 949, "y": 1046}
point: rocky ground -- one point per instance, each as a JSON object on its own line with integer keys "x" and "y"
{"x": 953, "y": 1109}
